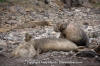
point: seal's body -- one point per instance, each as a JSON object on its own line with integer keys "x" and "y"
{"x": 34, "y": 47}
{"x": 25, "y": 49}
{"x": 74, "y": 33}
{"x": 47, "y": 44}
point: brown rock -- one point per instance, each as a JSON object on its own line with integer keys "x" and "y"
{"x": 33, "y": 24}
{"x": 97, "y": 49}
{"x": 27, "y": 37}
{"x": 95, "y": 1}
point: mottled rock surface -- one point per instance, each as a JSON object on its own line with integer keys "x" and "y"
{"x": 18, "y": 12}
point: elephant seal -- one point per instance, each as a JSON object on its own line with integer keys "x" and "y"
{"x": 35, "y": 47}
{"x": 25, "y": 50}
{"x": 74, "y": 33}
{"x": 56, "y": 44}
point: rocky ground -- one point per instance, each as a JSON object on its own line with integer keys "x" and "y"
{"x": 15, "y": 15}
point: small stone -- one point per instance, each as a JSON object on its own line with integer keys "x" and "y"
{"x": 89, "y": 54}
{"x": 97, "y": 49}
